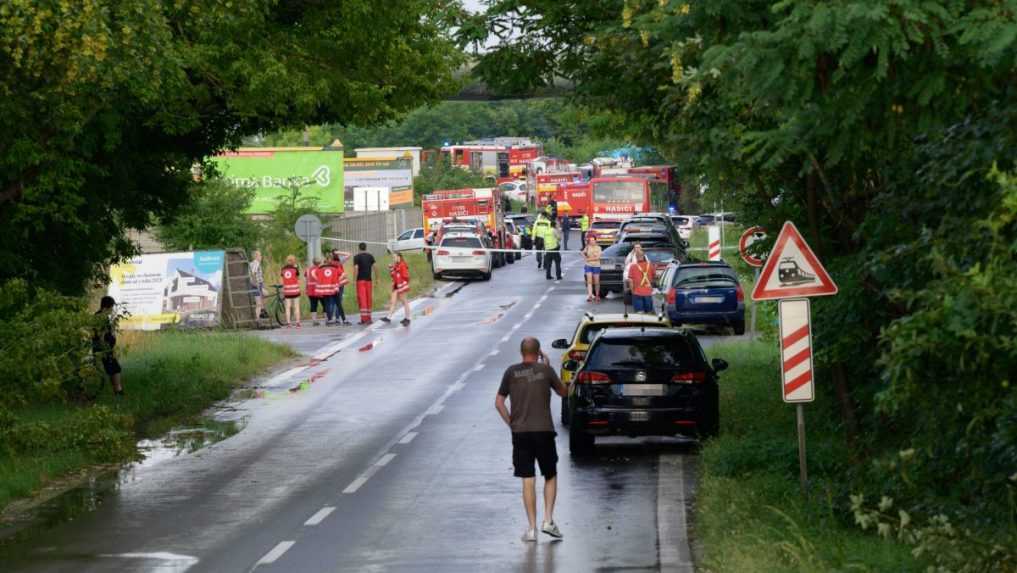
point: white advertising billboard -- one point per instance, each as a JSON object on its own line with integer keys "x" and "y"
{"x": 169, "y": 289}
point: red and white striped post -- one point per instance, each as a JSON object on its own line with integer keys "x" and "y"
{"x": 796, "y": 366}
{"x": 713, "y": 243}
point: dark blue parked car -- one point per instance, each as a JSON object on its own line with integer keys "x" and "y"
{"x": 702, "y": 293}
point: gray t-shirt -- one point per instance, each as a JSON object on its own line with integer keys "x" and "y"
{"x": 528, "y": 387}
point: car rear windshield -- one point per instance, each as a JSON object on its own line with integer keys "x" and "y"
{"x": 591, "y": 331}
{"x": 623, "y": 249}
{"x": 680, "y": 220}
{"x": 644, "y": 239}
{"x": 605, "y": 225}
{"x": 659, "y": 256}
{"x": 462, "y": 242}
{"x": 702, "y": 276}
{"x": 644, "y": 227}
{"x": 671, "y": 353}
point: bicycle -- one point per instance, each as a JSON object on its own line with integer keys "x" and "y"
{"x": 276, "y": 307}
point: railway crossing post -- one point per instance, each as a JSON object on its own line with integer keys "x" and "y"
{"x": 791, "y": 274}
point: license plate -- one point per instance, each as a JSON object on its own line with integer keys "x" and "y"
{"x": 643, "y": 390}
{"x": 710, "y": 299}
{"x": 639, "y": 416}
{"x": 461, "y": 259}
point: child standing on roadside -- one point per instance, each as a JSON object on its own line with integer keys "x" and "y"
{"x": 400, "y": 272}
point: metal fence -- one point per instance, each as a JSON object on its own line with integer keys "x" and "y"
{"x": 380, "y": 227}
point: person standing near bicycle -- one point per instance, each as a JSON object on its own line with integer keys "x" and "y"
{"x": 257, "y": 283}
{"x": 290, "y": 275}
{"x": 328, "y": 285}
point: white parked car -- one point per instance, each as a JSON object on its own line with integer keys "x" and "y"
{"x": 685, "y": 225}
{"x": 410, "y": 240}
{"x": 462, "y": 255}
{"x": 515, "y": 190}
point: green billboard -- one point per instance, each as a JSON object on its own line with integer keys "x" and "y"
{"x": 273, "y": 171}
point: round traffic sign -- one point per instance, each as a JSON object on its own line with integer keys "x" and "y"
{"x": 308, "y": 228}
{"x": 751, "y": 235}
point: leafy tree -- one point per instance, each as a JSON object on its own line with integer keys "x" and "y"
{"x": 214, "y": 217}
{"x": 875, "y": 124}
{"x": 105, "y": 105}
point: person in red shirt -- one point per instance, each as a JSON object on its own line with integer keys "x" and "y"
{"x": 290, "y": 275}
{"x": 400, "y": 272}
{"x": 311, "y": 279}
{"x": 640, "y": 275}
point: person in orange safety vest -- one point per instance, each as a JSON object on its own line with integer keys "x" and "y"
{"x": 641, "y": 275}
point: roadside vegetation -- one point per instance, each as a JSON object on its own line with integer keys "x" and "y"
{"x": 750, "y": 512}
{"x": 884, "y": 130}
{"x": 170, "y": 377}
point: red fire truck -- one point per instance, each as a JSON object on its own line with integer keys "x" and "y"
{"x": 548, "y": 185}
{"x": 482, "y": 207}
{"x": 504, "y": 158}
{"x": 666, "y": 173}
{"x": 618, "y": 197}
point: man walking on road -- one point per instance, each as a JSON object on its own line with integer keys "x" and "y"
{"x": 528, "y": 386}
{"x": 363, "y": 268}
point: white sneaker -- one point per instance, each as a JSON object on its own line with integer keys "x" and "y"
{"x": 530, "y": 535}
{"x": 551, "y": 528}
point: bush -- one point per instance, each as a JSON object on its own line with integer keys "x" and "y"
{"x": 45, "y": 340}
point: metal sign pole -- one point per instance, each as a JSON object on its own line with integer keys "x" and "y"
{"x": 755, "y": 305}
{"x": 802, "y": 469}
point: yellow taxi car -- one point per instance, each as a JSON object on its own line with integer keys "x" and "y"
{"x": 588, "y": 328}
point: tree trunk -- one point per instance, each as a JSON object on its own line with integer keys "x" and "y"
{"x": 847, "y": 405}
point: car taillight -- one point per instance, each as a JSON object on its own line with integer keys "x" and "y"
{"x": 577, "y": 355}
{"x": 739, "y": 293}
{"x": 689, "y": 377}
{"x": 593, "y": 378}
{"x": 478, "y": 253}
{"x": 672, "y": 295}
{"x": 443, "y": 252}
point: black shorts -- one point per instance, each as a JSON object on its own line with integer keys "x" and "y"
{"x": 528, "y": 447}
{"x": 110, "y": 365}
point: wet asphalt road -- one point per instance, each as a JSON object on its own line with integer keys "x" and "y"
{"x": 394, "y": 459}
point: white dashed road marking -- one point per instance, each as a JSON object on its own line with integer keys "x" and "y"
{"x": 320, "y": 516}
{"x": 276, "y": 552}
{"x": 408, "y": 438}
{"x": 385, "y": 460}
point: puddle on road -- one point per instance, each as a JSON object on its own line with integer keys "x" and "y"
{"x": 64, "y": 501}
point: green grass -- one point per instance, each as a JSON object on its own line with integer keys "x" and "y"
{"x": 169, "y": 377}
{"x": 750, "y": 513}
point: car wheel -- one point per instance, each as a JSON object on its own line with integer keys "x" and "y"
{"x": 437, "y": 276}
{"x": 580, "y": 443}
{"x": 564, "y": 410}
{"x": 486, "y": 276}
{"x": 739, "y": 327}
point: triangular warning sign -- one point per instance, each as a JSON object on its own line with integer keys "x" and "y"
{"x": 792, "y": 270}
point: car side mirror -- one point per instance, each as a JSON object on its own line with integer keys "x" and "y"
{"x": 719, "y": 364}
{"x": 570, "y": 365}
{"x": 560, "y": 344}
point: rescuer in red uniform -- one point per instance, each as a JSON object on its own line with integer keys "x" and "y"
{"x": 291, "y": 290}
{"x": 400, "y": 272}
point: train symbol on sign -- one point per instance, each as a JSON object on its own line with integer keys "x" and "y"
{"x": 789, "y": 273}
